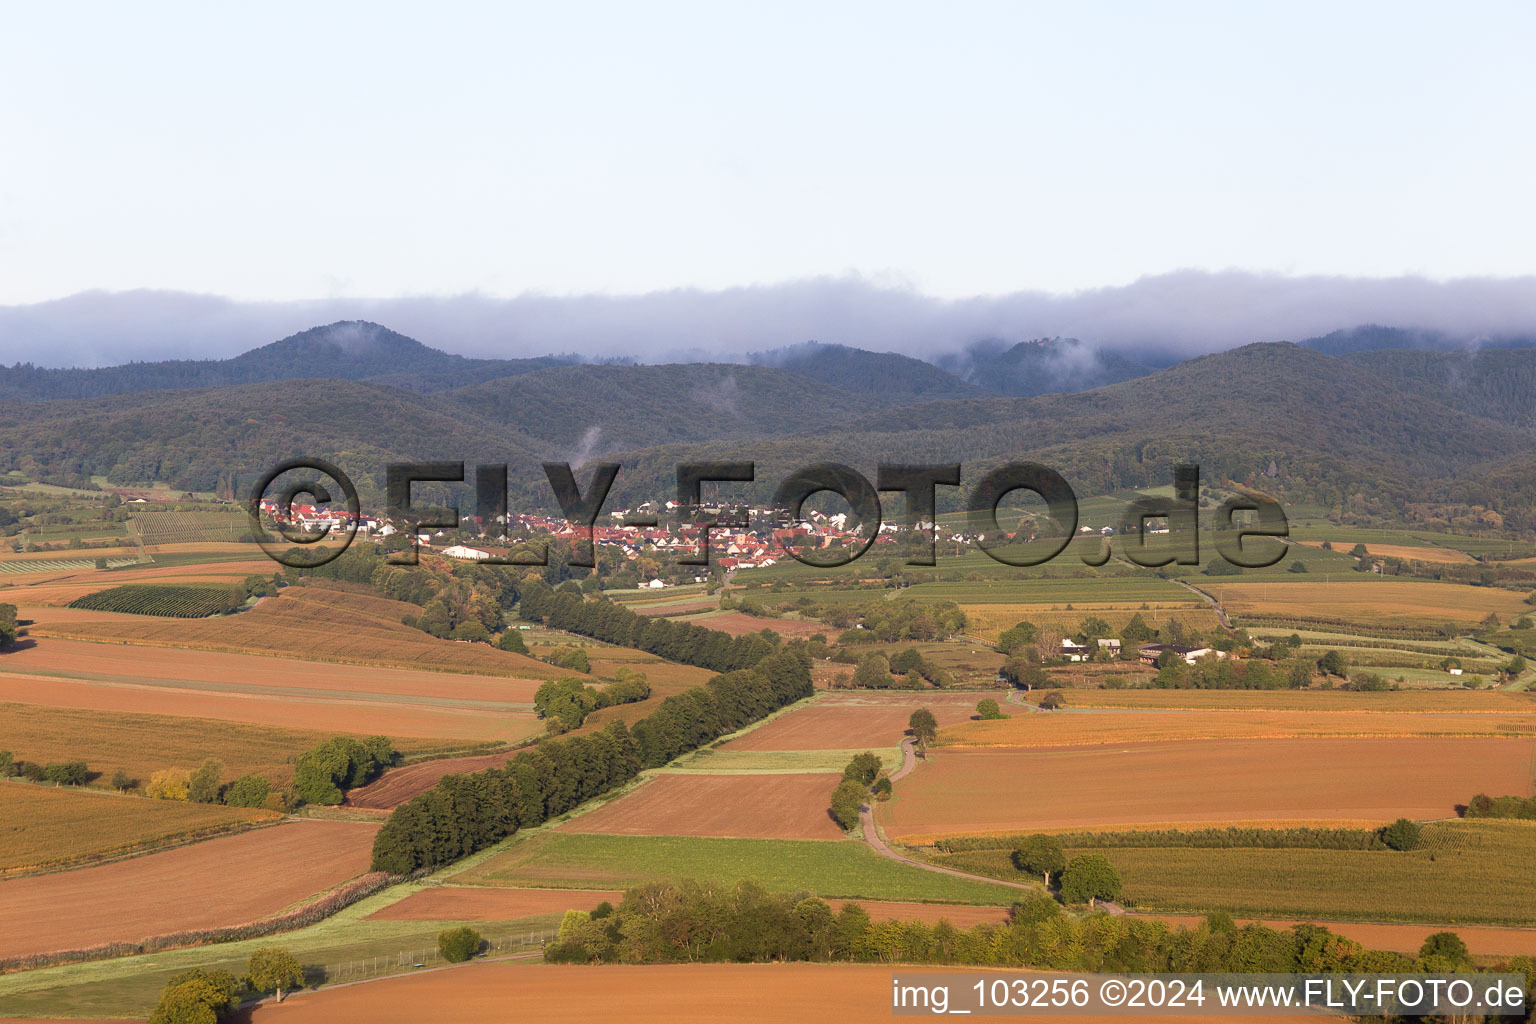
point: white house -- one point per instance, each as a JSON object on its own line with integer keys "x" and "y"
{"x": 467, "y": 554}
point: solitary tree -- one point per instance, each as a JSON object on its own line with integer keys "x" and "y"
{"x": 1052, "y": 701}
{"x": 1088, "y": 879}
{"x": 924, "y": 727}
{"x": 1040, "y": 854}
{"x": 1333, "y": 663}
{"x": 988, "y": 711}
{"x": 1444, "y": 949}
{"x": 512, "y": 640}
{"x": 458, "y": 944}
{"x": 273, "y": 967}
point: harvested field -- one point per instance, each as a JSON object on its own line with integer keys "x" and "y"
{"x": 1394, "y": 701}
{"x": 659, "y": 994}
{"x": 740, "y": 806}
{"x": 1227, "y": 781}
{"x": 222, "y": 882}
{"x": 308, "y": 623}
{"x": 1481, "y": 940}
{"x": 484, "y": 903}
{"x": 691, "y": 607}
{"x": 1370, "y": 601}
{"x": 109, "y": 663}
{"x": 1105, "y": 726}
{"x": 143, "y": 744}
{"x": 737, "y": 624}
{"x": 59, "y": 588}
{"x": 854, "y": 719}
{"x": 1439, "y": 556}
{"x": 397, "y": 785}
{"x": 400, "y": 718}
{"x": 46, "y": 827}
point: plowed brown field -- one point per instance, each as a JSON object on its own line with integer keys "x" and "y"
{"x": 111, "y": 663}
{"x": 354, "y": 716}
{"x": 842, "y": 722}
{"x": 740, "y": 806}
{"x": 397, "y": 785}
{"x": 1402, "y": 938}
{"x": 737, "y": 624}
{"x": 665, "y": 994}
{"x": 222, "y": 882}
{"x": 1229, "y": 781}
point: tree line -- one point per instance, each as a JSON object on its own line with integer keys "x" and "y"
{"x": 694, "y": 922}
{"x": 466, "y": 813}
{"x": 566, "y": 702}
{"x": 568, "y": 609}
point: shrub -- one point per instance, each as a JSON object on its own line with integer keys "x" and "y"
{"x": 988, "y": 710}
{"x": 1402, "y": 834}
{"x": 169, "y": 784}
{"x": 882, "y": 788}
{"x": 458, "y": 944}
{"x": 248, "y": 791}
{"x": 512, "y": 640}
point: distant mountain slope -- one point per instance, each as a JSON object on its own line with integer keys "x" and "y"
{"x": 593, "y": 409}
{"x": 194, "y": 439}
{"x": 1046, "y": 366}
{"x": 1336, "y": 434}
{"x": 895, "y": 379}
{"x": 1497, "y": 383}
{"x": 1374, "y": 337}
{"x": 347, "y": 350}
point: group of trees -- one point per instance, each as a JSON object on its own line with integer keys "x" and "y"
{"x": 569, "y": 609}
{"x": 1087, "y": 878}
{"x": 61, "y": 773}
{"x": 202, "y": 995}
{"x": 325, "y": 773}
{"x": 848, "y": 798}
{"x": 466, "y": 813}
{"x": 205, "y": 785}
{"x": 1485, "y": 806}
{"x": 690, "y": 922}
{"x": 883, "y": 622}
{"x": 566, "y": 702}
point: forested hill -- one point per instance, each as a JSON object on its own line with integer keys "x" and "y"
{"x": 1361, "y": 436}
{"x": 1275, "y": 416}
{"x": 348, "y": 350}
{"x": 1496, "y": 383}
{"x": 1048, "y": 366}
{"x": 895, "y": 379}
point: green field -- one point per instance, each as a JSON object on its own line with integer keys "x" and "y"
{"x": 1468, "y": 872}
{"x": 829, "y": 868}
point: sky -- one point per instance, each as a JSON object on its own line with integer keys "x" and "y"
{"x": 527, "y": 155}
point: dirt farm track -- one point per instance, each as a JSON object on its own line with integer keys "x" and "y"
{"x": 222, "y": 882}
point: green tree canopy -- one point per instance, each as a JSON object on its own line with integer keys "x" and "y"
{"x": 1040, "y": 854}
{"x": 458, "y": 944}
{"x": 273, "y": 968}
{"x": 1089, "y": 878}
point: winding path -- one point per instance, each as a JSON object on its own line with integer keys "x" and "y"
{"x": 1221, "y": 613}
{"x": 877, "y": 842}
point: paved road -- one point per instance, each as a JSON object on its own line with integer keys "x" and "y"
{"x": 878, "y": 844}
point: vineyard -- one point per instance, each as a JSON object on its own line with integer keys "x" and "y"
{"x": 165, "y": 600}
{"x": 156, "y": 528}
